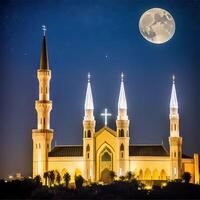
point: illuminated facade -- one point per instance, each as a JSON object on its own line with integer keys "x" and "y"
{"x": 106, "y": 149}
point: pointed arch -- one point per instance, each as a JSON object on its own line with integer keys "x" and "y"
{"x": 122, "y": 147}
{"x": 163, "y": 175}
{"x": 155, "y": 175}
{"x": 89, "y": 134}
{"x": 106, "y": 156}
{"x": 147, "y": 174}
{"x": 88, "y": 147}
{"x": 122, "y": 132}
{"x": 140, "y": 177}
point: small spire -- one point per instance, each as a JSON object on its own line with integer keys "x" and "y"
{"x": 89, "y": 76}
{"x": 44, "y": 29}
{"x": 89, "y": 99}
{"x": 44, "y": 62}
{"x": 122, "y": 77}
{"x": 122, "y": 96}
{"x": 173, "y": 100}
{"x": 173, "y": 78}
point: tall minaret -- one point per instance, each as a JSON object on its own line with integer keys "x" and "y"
{"x": 88, "y": 135}
{"x": 175, "y": 141}
{"x": 43, "y": 135}
{"x": 122, "y": 123}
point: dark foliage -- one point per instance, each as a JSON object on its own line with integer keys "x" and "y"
{"x": 186, "y": 177}
{"x": 32, "y": 189}
{"x": 79, "y": 182}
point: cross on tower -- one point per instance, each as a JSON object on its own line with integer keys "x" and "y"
{"x": 106, "y": 115}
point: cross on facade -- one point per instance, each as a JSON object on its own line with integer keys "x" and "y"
{"x": 106, "y": 115}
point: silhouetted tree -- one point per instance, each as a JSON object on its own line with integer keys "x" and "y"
{"x": 129, "y": 176}
{"x": 112, "y": 175}
{"x": 58, "y": 178}
{"x": 67, "y": 179}
{"x": 37, "y": 179}
{"x": 186, "y": 177}
{"x": 45, "y": 176}
{"x": 79, "y": 181}
{"x": 122, "y": 178}
{"x": 51, "y": 176}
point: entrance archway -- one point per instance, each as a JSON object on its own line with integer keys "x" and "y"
{"x": 106, "y": 164}
{"x": 105, "y": 175}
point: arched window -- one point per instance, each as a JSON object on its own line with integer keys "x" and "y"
{"x": 106, "y": 157}
{"x": 88, "y": 148}
{"x": 122, "y": 147}
{"x": 89, "y": 134}
{"x": 122, "y": 132}
{"x": 147, "y": 174}
{"x": 175, "y": 127}
{"x": 39, "y": 146}
{"x": 174, "y": 154}
{"x": 88, "y": 155}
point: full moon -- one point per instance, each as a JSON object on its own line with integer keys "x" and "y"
{"x": 157, "y": 25}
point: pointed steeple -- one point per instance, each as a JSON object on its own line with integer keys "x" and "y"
{"x": 44, "y": 62}
{"x": 88, "y": 99}
{"x": 173, "y": 100}
{"x": 122, "y": 96}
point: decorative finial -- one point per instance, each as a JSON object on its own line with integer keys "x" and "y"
{"x": 173, "y": 78}
{"x": 89, "y": 76}
{"x": 44, "y": 29}
{"x": 122, "y": 77}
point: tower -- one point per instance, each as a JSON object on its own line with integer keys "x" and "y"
{"x": 175, "y": 141}
{"x": 88, "y": 135}
{"x": 122, "y": 124}
{"x": 43, "y": 135}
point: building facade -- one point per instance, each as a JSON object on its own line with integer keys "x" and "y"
{"x": 106, "y": 149}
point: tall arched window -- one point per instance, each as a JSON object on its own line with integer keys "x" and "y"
{"x": 89, "y": 134}
{"x": 122, "y": 147}
{"x": 122, "y": 132}
{"x": 88, "y": 148}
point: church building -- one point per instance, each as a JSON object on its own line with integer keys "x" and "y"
{"x": 106, "y": 149}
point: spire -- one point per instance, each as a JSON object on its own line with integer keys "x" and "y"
{"x": 173, "y": 100}
{"x": 44, "y": 63}
{"x": 88, "y": 99}
{"x": 122, "y": 97}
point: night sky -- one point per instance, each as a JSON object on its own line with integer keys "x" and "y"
{"x": 103, "y": 38}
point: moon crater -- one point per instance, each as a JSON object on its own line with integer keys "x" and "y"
{"x": 157, "y": 25}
